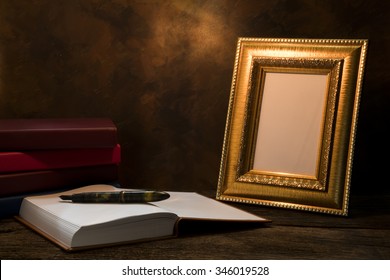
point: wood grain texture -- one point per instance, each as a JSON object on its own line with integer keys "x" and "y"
{"x": 291, "y": 235}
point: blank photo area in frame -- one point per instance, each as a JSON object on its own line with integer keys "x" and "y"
{"x": 291, "y": 121}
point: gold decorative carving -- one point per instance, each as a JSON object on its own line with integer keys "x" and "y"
{"x": 326, "y": 189}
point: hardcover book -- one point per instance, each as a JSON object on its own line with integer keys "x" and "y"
{"x": 44, "y": 180}
{"x": 76, "y": 226}
{"x": 17, "y": 161}
{"x": 36, "y": 134}
{"x": 10, "y": 205}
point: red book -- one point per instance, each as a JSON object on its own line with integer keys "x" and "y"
{"x": 38, "y": 134}
{"x": 37, "y": 181}
{"x": 54, "y": 159}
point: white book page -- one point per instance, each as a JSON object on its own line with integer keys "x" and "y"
{"x": 86, "y": 214}
{"x": 195, "y": 206}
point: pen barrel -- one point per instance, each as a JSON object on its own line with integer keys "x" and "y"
{"x": 119, "y": 197}
{"x": 99, "y": 197}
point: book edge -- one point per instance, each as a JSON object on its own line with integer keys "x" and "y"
{"x": 42, "y": 233}
{"x": 82, "y": 248}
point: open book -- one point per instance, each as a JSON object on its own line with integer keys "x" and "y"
{"x": 84, "y": 225}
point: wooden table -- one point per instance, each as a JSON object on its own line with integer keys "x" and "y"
{"x": 364, "y": 234}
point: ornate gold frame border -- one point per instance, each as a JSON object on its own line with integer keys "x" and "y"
{"x": 342, "y": 61}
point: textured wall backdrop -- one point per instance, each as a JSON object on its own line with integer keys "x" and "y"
{"x": 162, "y": 71}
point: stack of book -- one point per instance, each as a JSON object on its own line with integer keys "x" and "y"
{"x": 46, "y": 155}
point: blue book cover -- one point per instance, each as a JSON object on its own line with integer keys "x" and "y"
{"x": 9, "y": 206}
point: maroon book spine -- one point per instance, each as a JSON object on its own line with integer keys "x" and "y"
{"x": 36, "y": 181}
{"x": 54, "y": 159}
{"x": 37, "y": 134}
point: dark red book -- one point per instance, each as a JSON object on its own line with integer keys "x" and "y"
{"x": 54, "y": 159}
{"x": 38, "y": 181}
{"x": 38, "y": 134}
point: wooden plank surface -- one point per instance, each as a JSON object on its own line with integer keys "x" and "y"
{"x": 364, "y": 234}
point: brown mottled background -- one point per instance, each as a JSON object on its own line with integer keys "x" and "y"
{"x": 162, "y": 71}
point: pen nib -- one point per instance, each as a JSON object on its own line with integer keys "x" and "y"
{"x": 66, "y": 197}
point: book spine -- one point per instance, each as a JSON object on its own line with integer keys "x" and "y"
{"x": 10, "y": 205}
{"x": 55, "y": 159}
{"x": 34, "y": 181}
{"x": 37, "y": 134}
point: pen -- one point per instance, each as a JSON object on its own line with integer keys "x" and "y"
{"x": 116, "y": 197}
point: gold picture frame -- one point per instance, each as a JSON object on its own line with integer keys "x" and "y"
{"x": 291, "y": 123}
